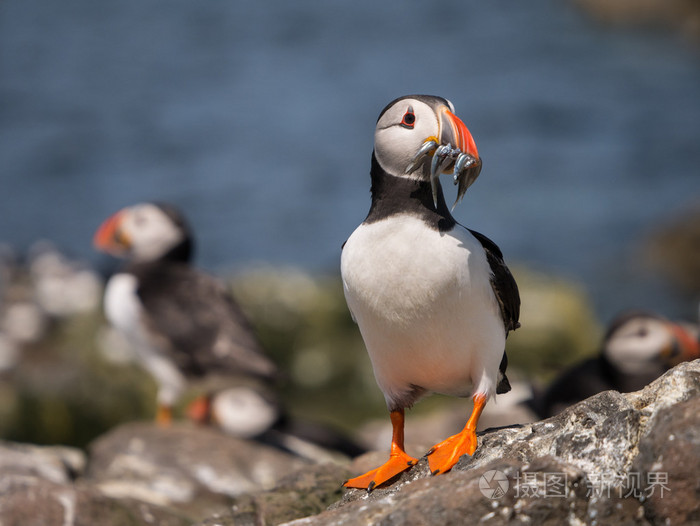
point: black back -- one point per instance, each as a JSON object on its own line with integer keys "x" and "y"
{"x": 196, "y": 322}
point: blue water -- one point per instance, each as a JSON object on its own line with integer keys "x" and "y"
{"x": 257, "y": 118}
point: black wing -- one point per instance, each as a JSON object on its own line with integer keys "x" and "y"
{"x": 195, "y": 320}
{"x": 506, "y": 290}
{"x": 502, "y": 283}
{"x": 581, "y": 381}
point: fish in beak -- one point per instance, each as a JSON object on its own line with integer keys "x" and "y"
{"x": 454, "y": 150}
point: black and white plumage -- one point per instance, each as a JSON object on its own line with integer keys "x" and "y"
{"x": 181, "y": 322}
{"x": 434, "y": 301}
{"x": 250, "y": 411}
{"x": 637, "y": 348}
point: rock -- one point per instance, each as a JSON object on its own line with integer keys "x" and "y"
{"x": 29, "y": 501}
{"x": 614, "y": 458}
{"x": 195, "y": 469}
{"x": 37, "y": 486}
{"x": 591, "y": 464}
{"x": 306, "y": 492}
{"x": 672, "y": 447}
{"x": 140, "y": 474}
{"x": 53, "y": 463}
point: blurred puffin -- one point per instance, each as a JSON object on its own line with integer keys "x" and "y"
{"x": 638, "y": 347}
{"x": 250, "y": 411}
{"x": 434, "y": 301}
{"x": 182, "y": 323}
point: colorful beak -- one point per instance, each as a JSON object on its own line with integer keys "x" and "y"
{"x": 686, "y": 346}
{"x": 454, "y": 132}
{"x": 456, "y": 152}
{"x": 110, "y": 237}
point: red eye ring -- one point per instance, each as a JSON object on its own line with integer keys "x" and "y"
{"x": 409, "y": 119}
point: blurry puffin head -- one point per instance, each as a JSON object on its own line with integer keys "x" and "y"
{"x": 146, "y": 232}
{"x": 640, "y": 342}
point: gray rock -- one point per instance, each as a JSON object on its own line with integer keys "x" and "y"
{"x": 629, "y": 459}
{"x": 307, "y": 492}
{"x": 34, "y": 501}
{"x": 671, "y": 447}
{"x": 38, "y": 487}
{"x": 53, "y": 463}
{"x": 192, "y": 468}
{"x": 587, "y": 465}
{"x": 140, "y": 474}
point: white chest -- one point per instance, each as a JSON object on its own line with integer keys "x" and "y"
{"x": 122, "y": 305}
{"x": 402, "y": 271}
{"x": 424, "y": 304}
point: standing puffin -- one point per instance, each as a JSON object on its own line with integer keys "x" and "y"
{"x": 180, "y": 322}
{"x": 434, "y": 301}
{"x": 637, "y": 348}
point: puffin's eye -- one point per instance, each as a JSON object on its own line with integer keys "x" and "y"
{"x": 409, "y": 118}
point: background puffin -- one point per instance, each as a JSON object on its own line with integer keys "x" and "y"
{"x": 250, "y": 411}
{"x": 180, "y": 322}
{"x": 637, "y": 348}
{"x": 434, "y": 301}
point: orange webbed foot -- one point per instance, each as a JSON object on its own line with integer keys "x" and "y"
{"x": 443, "y": 456}
{"x": 398, "y": 462}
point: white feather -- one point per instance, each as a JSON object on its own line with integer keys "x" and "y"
{"x": 425, "y": 307}
{"x": 124, "y": 311}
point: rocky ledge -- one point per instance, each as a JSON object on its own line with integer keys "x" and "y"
{"x": 614, "y": 458}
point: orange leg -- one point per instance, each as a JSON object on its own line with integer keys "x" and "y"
{"x": 398, "y": 459}
{"x": 164, "y": 415}
{"x": 444, "y": 455}
{"x": 199, "y": 410}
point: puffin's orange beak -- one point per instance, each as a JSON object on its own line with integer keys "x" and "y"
{"x": 456, "y": 133}
{"x": 687, "y": 345}
{"x": 110, "y": 238}
{"x": 466, "y": 166}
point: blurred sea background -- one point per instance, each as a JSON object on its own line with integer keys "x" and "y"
{"x": 257, "y": 120}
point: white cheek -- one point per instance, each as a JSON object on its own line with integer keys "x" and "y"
{"x": 159, "y": 240}
{"x": 637, "y": 354}
{"x": 395, "y": 146}
{"x": 394, "y": 149}
{"x": 152, "y": 240}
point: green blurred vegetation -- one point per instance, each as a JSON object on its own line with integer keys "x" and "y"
{"x": 64, "y": 390}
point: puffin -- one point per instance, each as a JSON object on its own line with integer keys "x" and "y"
{"x": 434, "y": 301}
{"x": 251, "y": 412}
{"x": 638, "y": 347}
{"x": 182, "y": 324}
